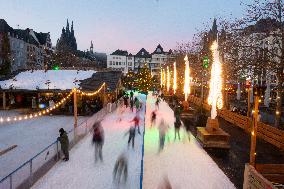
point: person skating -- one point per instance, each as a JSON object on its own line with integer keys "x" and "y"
{"x": 64, "y": 142}
{"x": 163, "y": 128}
{"x": 153, "y": 117}
{"x": 131, "y": 95}
{"x": 136, "y": 121}
{"x": 131, "y": 104}
{"x": 131, "y": 137}
{"x": 125, "y": 99}
{"x": 157, "y": 103}
{"x": 98, "y": 140}
{"x": 119, "y": 168}
{"x": 137, "y": 104}
{"x": 177, "y": 124}
{"x": 177, "y": 127}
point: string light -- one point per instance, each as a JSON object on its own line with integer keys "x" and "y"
{"x": 57, "y": 105}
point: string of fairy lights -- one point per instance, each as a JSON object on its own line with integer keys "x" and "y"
{"x": 48, "y": 110}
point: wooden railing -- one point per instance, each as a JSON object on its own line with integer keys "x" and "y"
{"x": 266, "y": 132}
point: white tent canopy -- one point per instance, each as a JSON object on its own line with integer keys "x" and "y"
{"x": 51, "y": 79}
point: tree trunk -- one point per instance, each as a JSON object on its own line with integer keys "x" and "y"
{"x": 239, "y": 91}
{"x": 278, "y": 111}
{"x": 268, "y": 90}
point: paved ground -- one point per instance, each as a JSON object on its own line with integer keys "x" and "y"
{"x": 233, "y": 162}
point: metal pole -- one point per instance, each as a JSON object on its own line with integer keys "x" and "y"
{"x": 57, "y": 151}
{"x": 11, "y": 182}
{"x": 4, "y": 100}
{"x": 254, "y": 132}
{"x": 248, "y": 112}
{"x": 31, "y": 173}
{"x": 75, "y": 112}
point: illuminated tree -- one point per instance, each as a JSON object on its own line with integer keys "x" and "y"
{"x": 144, "y": 79}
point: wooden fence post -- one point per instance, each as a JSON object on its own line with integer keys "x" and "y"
{"x": 75, "y": 112}
{"x": 254, "y": 132}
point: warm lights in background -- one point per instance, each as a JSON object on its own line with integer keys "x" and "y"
{"x": 215, "y": 97}
{"x": 48, "y": 110}
{"x": 168, "y": 79}
{"x": 186, "y": 88}
{"x": 175, "y": 78}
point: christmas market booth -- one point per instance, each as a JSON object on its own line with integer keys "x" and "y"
{"x": 32, "y": 91}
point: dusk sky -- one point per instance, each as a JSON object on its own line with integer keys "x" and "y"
{"x": 119, "y": 24}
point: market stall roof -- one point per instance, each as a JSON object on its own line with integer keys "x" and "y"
{"x": 111, "y": 78}
{"x": 46, "y": 80}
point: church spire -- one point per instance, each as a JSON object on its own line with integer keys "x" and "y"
{"x": 72, "y": 29}
{"x": 67, "y": 27}
{"x": 92, "y": 47}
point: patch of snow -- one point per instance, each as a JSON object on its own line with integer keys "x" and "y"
{"x": 52, "y": 79}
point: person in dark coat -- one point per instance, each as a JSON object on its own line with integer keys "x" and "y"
{"x": 177, "y": 124}
{"x": 64, "y": 142}
{"x": 125, "y": 98}
{"x": 153, "y": 117}
{"x": 131, "y": 137}
{"x": 98, "y": 140}
{"x": 131, "y": 95}
{"x": 131, "y": 104}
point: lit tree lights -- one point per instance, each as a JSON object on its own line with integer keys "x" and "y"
{"x": 162, "y": 79}
{"x": 215, "y": 94}
{"x": 175, "y": 78}
{"x": 168, "y": 79}
{"x": 186, "y": 89}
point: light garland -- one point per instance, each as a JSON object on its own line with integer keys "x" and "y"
{"x": 175, "y": 78}
{"x": 168, "y": 79}
{"x": 48, "y": 110}
{"x": 37, "y": 114}
{"x": 90, "y": 93}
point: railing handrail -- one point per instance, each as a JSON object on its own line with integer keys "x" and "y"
{"x": 25, "y": 163}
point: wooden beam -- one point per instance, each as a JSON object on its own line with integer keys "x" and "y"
{"x": 254, "y": 132}
{"x": 4, "y": 100}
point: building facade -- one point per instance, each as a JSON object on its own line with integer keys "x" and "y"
{"x": 121, "y": 60}
{"x": 28, "y": 49}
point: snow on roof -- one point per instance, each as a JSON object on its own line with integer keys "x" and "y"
{"x": 52, "y": 79}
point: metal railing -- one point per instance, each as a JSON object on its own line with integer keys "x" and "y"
{"x": 33, "y": 169}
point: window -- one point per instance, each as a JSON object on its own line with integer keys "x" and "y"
{"x": 117, "y": 63}
{"x": 129, "y": 64}
{"x": 110, "y": 63}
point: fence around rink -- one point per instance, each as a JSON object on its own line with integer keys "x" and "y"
{"x": 33, "y": 169}
{"x": 266, "y": 132}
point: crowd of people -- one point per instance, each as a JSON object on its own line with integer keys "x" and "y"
{"x": 127, "y": 103}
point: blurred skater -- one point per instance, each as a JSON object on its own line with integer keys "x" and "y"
{"x": 157, "y": 103}
{"x": 98, "y": 140}
{"x": 64, "y": 142}
{"x": 119, "y": 168}
{"x": 153, "y": 117}
{"x": 131, "y": 137}
{"x": 136, "y": 121}
{"x": 163, "y": 128}
{"x": 131, "y": 95}
{"x": 137, "y": 104}
{"x": 131, "y": 104}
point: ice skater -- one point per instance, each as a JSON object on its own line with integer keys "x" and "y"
{"x": 137, "y": 104}
{"x": 153, "y": 117}
{"x": 136, "y": 121}
{"x": 131, "y": 137}
{"x": 64, "y": 142}
{"x": 177, "y": 127}
{"x": 119, "y": 168}
{"x": 98, "y": 141}
{"x": 157, "y": 103}
{"x": 163, "y": 128}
